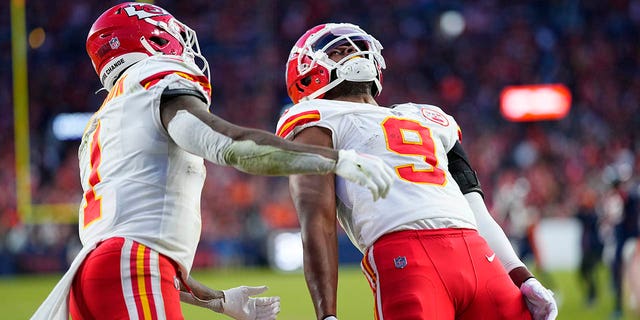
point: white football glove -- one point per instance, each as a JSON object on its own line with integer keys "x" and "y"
{"x": 330, "y": 318}
{"x": 365, "y": 170}
{"x": 238, "y": 303}
{"x": 539, "y": 300}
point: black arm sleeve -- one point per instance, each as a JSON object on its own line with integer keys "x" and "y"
{"x": 461, "y": 170}
{"x": 167, "y": 94}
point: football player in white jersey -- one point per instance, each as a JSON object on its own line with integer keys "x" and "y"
{"x": 424, "y": 247}
{"x": 142, "y": 171}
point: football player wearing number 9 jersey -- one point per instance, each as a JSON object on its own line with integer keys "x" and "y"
{"x": 142, "y": 171}
{"x": 431, "y": 249}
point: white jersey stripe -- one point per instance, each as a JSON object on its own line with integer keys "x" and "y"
{"x": 376, "y": 284}
{"x": 156, "y": 280}
{"x": 125, "y": 278}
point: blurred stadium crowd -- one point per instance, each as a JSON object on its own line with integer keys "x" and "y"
{"x": 587, "y": 162}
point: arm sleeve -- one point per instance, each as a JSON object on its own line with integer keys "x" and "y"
{"x": 493, "y": 233}
{"x": 196, "y": 137}
{"x": 174, "y": 92}
{"x": 461, "y": 170}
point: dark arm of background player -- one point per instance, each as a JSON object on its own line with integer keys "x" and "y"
{"x": 200, "y": 290}
{"x": 314, "y": 199}
{"x": 467, "y": 180}
{"x": 198, "y": 108}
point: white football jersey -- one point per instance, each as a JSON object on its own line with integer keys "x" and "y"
{"x": 137, "y": 182}
{"x": 412, "y": 138}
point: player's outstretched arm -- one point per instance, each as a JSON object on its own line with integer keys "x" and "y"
{"x": 237, "y": 303}
{"x": 255, "y": 151}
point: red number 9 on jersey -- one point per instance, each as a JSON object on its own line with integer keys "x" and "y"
{"x": 396, "y": 132}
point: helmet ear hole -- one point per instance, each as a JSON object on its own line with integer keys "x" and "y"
{"x": 306, "y": 81}
{"x": 159, "y": 41}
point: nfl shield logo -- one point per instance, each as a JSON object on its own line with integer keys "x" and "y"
{"x": 114, "y": 43}
{"x": 400, "y": 262}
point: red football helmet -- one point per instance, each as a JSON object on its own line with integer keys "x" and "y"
{"x": 132, "y": 31}
{"x": 310, "y": 71}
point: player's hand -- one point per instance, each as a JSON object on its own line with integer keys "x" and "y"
{"x": 330, "y": 318}
{"x": 365, "y": 170}
{"x": 539, "y": 300}
{"x": 239, "y": 304}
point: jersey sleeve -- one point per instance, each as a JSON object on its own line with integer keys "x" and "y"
{"x": 456, "y": 133}
{"x": 301, "y": 116}
{"x": 175, "y": 76}
{"x": 145, "y": 83}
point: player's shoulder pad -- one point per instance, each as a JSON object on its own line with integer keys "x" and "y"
{"x": 431, "y": 112}
{"x": 430, "y": 107}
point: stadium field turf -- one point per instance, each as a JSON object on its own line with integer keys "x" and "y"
{"x": 20, "y": 295}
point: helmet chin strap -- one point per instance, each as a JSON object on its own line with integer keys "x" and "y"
{"x": 323, "y": 90}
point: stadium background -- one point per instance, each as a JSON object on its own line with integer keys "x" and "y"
{"x": 531, "y": 172}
